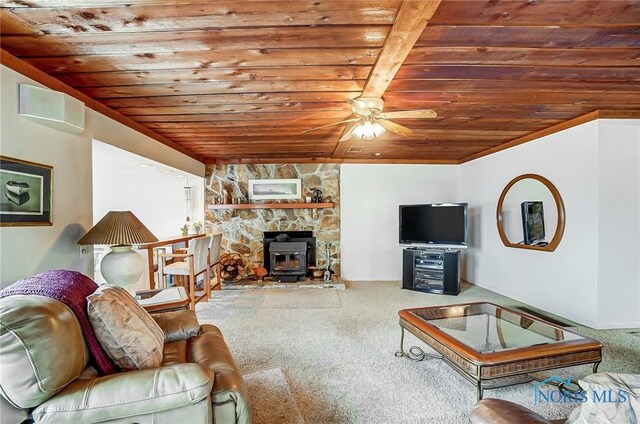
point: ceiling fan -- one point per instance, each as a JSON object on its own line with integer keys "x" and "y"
{"x": 369, "y": 121}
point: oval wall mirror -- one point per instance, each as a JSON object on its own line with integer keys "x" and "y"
{"x": 530, "y": 214}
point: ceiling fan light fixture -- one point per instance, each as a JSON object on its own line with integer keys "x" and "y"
{"x": 368, "y": 129}
{"x": 358, "y": 131}
{"x": 378, "y": 129}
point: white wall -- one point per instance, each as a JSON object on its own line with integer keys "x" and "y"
{"x": 156, "y": 197}
{"x": 28, "y": 250}
{"x": 593, "y": 276}
{"x": 619, "y": 223}
{"x": 370, "y": 196}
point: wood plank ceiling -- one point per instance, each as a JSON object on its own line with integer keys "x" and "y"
{"x": 240, "y": 80}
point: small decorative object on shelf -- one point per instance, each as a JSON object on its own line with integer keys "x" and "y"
{"x": 225, "y": 196}
{"x": 317, "y": 195}
{"x": 184, "y": 230}
{"x": 198, "y": 226}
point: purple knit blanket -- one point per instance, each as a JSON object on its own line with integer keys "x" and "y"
{"x": 72, "y": 289}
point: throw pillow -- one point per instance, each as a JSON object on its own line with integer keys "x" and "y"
{"x": 611, "y": 398}
{"x": 129, "y": 335}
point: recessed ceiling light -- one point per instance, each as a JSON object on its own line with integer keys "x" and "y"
{"x": 145, "y": 165}
{"x": 377, "y": 154}
{"x": 168, "y": 171}
{"x": 180, "y": 176}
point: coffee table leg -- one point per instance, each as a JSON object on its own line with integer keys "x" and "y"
{"x": 595, "y": 367}
{"x": 415, "y": 353}
{"x": 479, "y": 390}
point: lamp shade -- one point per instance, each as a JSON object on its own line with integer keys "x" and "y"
{"x": 119, "y": 228}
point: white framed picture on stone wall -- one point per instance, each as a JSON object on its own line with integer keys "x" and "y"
{"x": 275, "y": 189}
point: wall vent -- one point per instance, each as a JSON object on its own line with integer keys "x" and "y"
{"x": 355, "y": 149}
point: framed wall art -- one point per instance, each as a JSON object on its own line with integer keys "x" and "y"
{"x": 275, "y": 189}
{"x": 26, "y": 193}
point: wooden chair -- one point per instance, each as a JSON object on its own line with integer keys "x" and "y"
{"x": 214, "y": 259}
{"x": 195, "y": 263}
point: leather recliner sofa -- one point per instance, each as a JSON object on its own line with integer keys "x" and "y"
{"x": 44, "y": 369}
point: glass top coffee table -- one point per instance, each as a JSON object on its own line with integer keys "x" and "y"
{"x": 493, "y": 346}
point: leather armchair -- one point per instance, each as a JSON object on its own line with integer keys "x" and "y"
{"x": 44, "y": 369}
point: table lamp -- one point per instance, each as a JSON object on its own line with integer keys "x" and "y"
{"x": 120, "y": 229}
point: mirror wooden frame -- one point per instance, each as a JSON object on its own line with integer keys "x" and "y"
{"x": 555, "y": 241}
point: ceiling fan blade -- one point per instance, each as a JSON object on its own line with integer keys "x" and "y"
{"x": 396, "y": 128}
{"x": 330, "y": 125}
{"x": 359, "y": 106}
{"x": 348, "y": 132}
{"x": 411, "y": 114}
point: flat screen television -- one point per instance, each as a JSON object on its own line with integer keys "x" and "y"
{"x": 442, "y": 224}
{"x": 532, "y": 222}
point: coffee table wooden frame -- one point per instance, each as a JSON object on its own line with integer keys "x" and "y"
{"x": 494, "y": 369}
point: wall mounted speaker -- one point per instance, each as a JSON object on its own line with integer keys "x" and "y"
{"x": 52, "y": 108}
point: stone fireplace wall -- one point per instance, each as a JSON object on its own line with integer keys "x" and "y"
{"x": 242, "y": 229}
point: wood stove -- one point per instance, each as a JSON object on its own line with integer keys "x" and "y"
{"x": 281, "y": 260}
{"x": 288, "y": 260}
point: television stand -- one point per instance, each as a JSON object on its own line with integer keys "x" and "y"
{"x": 431, "y": 270}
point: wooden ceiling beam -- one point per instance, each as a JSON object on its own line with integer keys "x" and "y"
{"x": 18, "y": 65}
{"x": 409, "y": 24}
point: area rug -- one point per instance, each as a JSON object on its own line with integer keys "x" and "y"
{"x": 270, "y": 398}
{"x": 288, "y": 299}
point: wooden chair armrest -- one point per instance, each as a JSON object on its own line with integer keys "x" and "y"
{"x": 181, "y": 250}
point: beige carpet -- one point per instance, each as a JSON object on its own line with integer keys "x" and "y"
{"x": 270, "y": 398}
{"x": 340, "y": 363}
{"x": 288, "y": 299}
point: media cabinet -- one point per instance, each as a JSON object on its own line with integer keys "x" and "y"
{"x": 431, "y": 270}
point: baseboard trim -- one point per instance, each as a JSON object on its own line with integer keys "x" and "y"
{"x": 628, "y": 325}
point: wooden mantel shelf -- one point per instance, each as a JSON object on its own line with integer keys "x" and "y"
{"x": 273, "y": 206}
